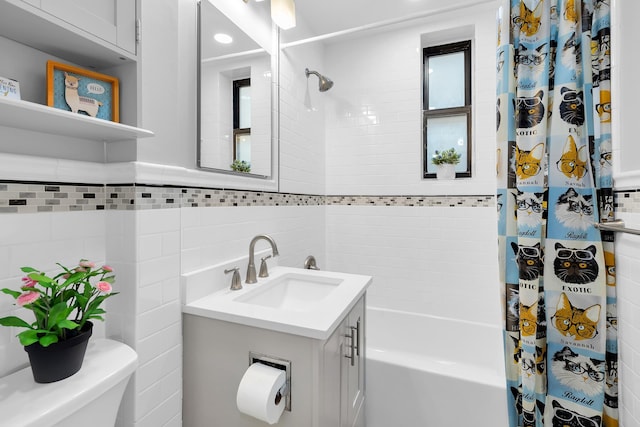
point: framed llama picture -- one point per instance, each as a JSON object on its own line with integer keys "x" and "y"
{"x": 82, "y": 91}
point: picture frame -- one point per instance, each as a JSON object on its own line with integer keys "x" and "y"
{"x": 9, "y": 88}
{"x": 83, "y": 91}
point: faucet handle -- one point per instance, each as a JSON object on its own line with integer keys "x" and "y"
{"x": 264, "y": 270}
{"x": 236, "y": 281}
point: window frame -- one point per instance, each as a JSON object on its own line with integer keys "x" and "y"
{"x": 466, "y": 110}
{"x": 237, "y": 130}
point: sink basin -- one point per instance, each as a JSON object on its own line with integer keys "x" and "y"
{"x": 303, "y": 302}
{"x": 292, "y": 291}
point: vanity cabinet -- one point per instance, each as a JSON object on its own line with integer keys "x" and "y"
{"x": 354, "y": 367}
{"x": 327, "y": 385}
{"x": 344, "y": 352}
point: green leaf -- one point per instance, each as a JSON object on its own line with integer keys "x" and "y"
{"x": 28, "y": 269}
{"x": 67, "y": 324}
{"x": 81, "y": 300}
{"x": 63, "y": 267}
{"x": 14, "y": 294}
{"x": 58, "y": 312}
{"x": 68, "y": 294}
{"x": 28, "y": 337}
{"x": 95, "y": 317}
{"x": 41, "y": 279}
{"x": 88, "y": 290}
{"x": 75, "y": 277}
{"x": 14, "y": 321}
{"x": 93, "y": 306}
{"x": 48, "y": 339}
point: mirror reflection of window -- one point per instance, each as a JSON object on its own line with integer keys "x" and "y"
{"x": 242, "y": 120}
{"x": 220, "y": 148}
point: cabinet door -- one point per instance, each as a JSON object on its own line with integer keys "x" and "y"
{"x": 110, "y": 20}
{"x": 354, "y": 366}
{"x": 331, "y": 379}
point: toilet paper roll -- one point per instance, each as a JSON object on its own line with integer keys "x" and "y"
{"x": 258, "y": 393}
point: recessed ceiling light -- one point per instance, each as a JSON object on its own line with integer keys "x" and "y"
{"x": 223, "y": 38}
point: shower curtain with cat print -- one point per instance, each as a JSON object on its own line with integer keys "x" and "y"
{"x": 554, "y": 182}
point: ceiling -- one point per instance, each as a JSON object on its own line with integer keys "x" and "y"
{"x": 321, "y": 19}
{"x": 216, "y": 22}
{"x": 324, "y": 17}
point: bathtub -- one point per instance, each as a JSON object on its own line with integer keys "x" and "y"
{"x": 426, "y": 371}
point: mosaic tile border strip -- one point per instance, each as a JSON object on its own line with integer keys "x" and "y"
{"x": 431, "y": 201}
{"x": 197, "y": 197}
{"x": 627, "y": 201}
{"x": 138, "y": 197}
{"x": 44, "y": 197}
{"x": 33, "y": 197}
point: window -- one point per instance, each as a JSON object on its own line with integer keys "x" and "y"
{"x": 242, "y": 120}
{"x": 447, "y": 105}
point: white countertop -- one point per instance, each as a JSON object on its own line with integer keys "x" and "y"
{"x": 318, "y": 321}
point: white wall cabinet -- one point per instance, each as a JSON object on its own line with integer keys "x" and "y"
{"x": 113, "y": 21}
{"x": 327, "y": 389}
{"x": 98, "y": 35}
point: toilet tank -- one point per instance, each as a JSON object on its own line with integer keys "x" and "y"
{"x": 91, "y": 397}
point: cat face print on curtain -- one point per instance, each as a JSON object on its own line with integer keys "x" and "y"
{"x": 554, "y": 163}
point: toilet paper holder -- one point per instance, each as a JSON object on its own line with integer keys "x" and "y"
{"x": 278, "y": 363}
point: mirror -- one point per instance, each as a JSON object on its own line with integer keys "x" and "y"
{"x": 237, "y": 79}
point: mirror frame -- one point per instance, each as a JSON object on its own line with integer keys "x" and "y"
{"x": 275, "y": 112}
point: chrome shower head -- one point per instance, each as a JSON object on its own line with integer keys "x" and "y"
{"x": 324, "y": 83}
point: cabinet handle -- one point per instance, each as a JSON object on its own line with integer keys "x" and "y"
{"x": 357, "y": 332}
{"x": 352, "y": 347}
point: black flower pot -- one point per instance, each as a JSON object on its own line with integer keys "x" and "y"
{"x": 60, "y": 360}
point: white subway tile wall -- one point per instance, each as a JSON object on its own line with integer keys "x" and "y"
{"x": 439, "y": 261}
{"x": 373, "y": 112}
{"x": 427, "y": 254}
{"x": 211, "y": 236}
{"x": 302, "y": 121}
{"x": 628, "y": 285}
{"x": 39, "y": 241}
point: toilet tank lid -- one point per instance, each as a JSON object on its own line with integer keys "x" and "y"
{"x": 23, "y": 402}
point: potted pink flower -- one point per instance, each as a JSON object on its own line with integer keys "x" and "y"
{"x": 63, "y": 306}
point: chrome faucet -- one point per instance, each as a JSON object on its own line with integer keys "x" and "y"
{"x": 251, "y": 268}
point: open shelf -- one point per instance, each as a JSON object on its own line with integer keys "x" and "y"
{"x": 40, "y": 118}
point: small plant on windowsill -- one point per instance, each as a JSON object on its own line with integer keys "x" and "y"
{"x": 241, "y": 166}
{"x": 446, "y": 157}
{"x": 446, "y": 161}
